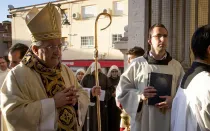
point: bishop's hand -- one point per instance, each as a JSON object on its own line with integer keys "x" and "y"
{"x": 65, "y": 97}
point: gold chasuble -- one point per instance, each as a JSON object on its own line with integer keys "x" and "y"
{"x": 53, "y": 83}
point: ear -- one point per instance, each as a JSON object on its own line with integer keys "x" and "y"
{"x": 34, "y": 49}
{"x": 208, "y": 50}
{"x": 149, "y": 41}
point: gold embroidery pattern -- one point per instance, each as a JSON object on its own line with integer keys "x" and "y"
{"x": 53, "y": 21}
{"x": 52, "y": 17}
{"x": 65, "y": 118}
{"x": 53, "y": 82}
{"x": 45, "y": 36}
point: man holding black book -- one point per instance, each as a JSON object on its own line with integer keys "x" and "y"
{"x": 146, "y": 89}
{"x": 191, "y": 105}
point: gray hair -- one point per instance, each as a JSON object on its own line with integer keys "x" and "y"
{"x": 37, "y": 43}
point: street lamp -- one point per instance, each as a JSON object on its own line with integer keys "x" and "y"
{"x": 65, "y": 21}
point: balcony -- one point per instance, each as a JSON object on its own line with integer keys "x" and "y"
{"x": 6, "y": 39}
{"x": 121, "y": 45}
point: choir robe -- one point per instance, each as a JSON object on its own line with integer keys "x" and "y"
{"x": 3, "y": 74}
{"x": 191, "y": 105}
{"x": 113, "y": 111}
{"x": 88, "y": 82}
{"x": 132, "y": 84}
{"x": 26, "y": 106}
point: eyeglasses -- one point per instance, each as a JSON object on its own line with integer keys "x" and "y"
{"x": 160, "y": 35}
{"x": 52, "y": 47}
{"x": 114, "y": 71}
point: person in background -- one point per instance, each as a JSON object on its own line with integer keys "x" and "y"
{"x": 105, "y": 90}
{"x": 3, "y": 69}
{"x": 113, "y": 111}
{"x": 80, "y": 74}
{"x": 3, "y": 73}
{"x": 125, "y": 118}
{"x": 191, "y": 105}
{"x": 133, "y": 91}
{"x": 134, "y": 52}
{"x": 114, "y": 75}
{"x": 16, "y": 53}
{"x": 41, "y": 94}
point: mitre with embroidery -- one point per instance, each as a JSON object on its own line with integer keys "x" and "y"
{"x": 44, "y": 24}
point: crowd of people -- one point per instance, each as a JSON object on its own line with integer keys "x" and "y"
{"x": 39, "y": 93}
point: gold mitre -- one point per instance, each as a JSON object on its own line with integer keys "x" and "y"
{"x": 44, "y": 24}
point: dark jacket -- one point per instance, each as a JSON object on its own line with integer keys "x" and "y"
{"x": 88, "y": 82}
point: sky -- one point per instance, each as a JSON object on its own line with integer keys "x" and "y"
{"x": 16, "y": 3}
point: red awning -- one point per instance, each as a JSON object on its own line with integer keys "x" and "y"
{"x": 86, "y": 63}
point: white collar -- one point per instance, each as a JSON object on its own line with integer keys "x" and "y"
{"x": 164, "y": 57}
{"x": 7, "y": 70}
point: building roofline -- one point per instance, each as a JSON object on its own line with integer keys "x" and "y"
{"x": 25, "y": 8}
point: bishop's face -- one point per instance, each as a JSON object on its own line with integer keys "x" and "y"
{"x": 50, "y": 52}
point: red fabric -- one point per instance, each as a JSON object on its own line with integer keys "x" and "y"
{"x": 122, "y": 129}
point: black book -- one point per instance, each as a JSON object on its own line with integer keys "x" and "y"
{"x": 162, "y": 83}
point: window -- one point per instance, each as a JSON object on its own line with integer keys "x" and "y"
{"x": 6, "y": 35}
{"x": 118, "y": 7}
{"x": 89, "y": 11}
{"x": 64, "y": 41}
{"x": 87, "y": 41}
{"x": 116, "y": 37}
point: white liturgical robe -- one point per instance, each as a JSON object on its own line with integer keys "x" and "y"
{"x": 132, "y": 83}
{"x": 26, "y": 106}
{"x": 191, "y": 105}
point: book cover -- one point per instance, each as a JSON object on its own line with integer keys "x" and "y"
{"x": 162, "y": 83}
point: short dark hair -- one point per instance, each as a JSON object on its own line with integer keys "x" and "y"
{"x": 1, "y": 57}
{"x": 200, "y": 42}
{"x": 152, "y": 27}
{"x": 19, "y": 47}
{"x": 137, "y": 51}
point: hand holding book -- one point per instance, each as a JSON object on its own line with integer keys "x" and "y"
{"x": 149, "y": 92}
{"x": 165, "y": 104}
{"x": 162, "y": 83}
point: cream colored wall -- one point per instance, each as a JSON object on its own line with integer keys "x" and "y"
{"x": 20, "y": 33}
{"x": 80, "y": 28}
{"x": 85, "y": 27}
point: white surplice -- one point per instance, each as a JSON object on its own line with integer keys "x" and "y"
{"x": 3, "y": 74}
{"x": 191, "y": 106}
{"x": 132, "y": 83}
